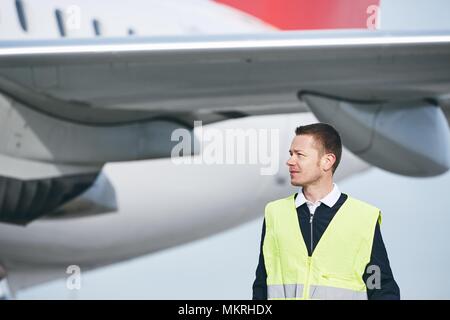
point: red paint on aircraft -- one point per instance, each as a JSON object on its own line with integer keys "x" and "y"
{"x": 310, "y": 14}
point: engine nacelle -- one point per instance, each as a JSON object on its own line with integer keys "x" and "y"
{"x": 408, "y": 138}
{"x": 33, "y": 135}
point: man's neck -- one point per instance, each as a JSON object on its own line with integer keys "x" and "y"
{"x": 315, "y": 192}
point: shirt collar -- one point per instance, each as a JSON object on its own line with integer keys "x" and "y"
{"x": 329, "y": 200}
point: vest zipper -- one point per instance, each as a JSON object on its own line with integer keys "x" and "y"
{"x": 311, "y": 217}
{"x": 308, "y": 274}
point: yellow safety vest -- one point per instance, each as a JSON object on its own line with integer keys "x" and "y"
{"x": 335, "y": 269}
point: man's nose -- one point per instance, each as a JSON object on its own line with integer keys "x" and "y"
{"x": 290, "y": 162}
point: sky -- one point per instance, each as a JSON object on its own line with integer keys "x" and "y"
{"x": 415, "y": 226}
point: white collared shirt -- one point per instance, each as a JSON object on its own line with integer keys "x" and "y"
{"x": 329, "y": 200}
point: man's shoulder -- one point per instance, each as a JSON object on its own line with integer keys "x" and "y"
{"x": 362, "y": 206}
{"x": 281, "y": 201}
{"x": 361, "y": 203}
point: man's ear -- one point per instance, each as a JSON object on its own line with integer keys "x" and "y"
{"x": 328, "y": 161}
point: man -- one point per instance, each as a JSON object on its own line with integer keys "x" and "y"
{"x": 321, "y": 243}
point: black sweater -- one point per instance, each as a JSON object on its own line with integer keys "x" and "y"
{"x": 389, "y": 289}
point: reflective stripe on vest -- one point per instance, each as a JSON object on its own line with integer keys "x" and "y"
{"x": 335, "y": 269}
{"x": 332, "y": 293}
{"x": 285, "y": 291}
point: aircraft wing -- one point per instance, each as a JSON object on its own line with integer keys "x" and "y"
{"x": 211, "y": 78}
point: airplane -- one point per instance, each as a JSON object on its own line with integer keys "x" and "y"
{"x": 91, "y": 93}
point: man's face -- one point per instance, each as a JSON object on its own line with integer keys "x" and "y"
{"x": 304, "y": 163}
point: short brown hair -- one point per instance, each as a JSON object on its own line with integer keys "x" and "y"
{"x": 327, "y": 136}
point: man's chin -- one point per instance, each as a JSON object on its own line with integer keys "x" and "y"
{"x": 296, "y": 183}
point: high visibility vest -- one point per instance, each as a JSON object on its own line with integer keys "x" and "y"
{"x": 335, "y": 268}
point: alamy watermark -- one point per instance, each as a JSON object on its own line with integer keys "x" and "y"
{"x": 71, "y": 17}
{"x": 372, "y": 21}
{"x": 374, "y": 280}
{"x": 229, "y": 146}
{"x": 73, "y": 281}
